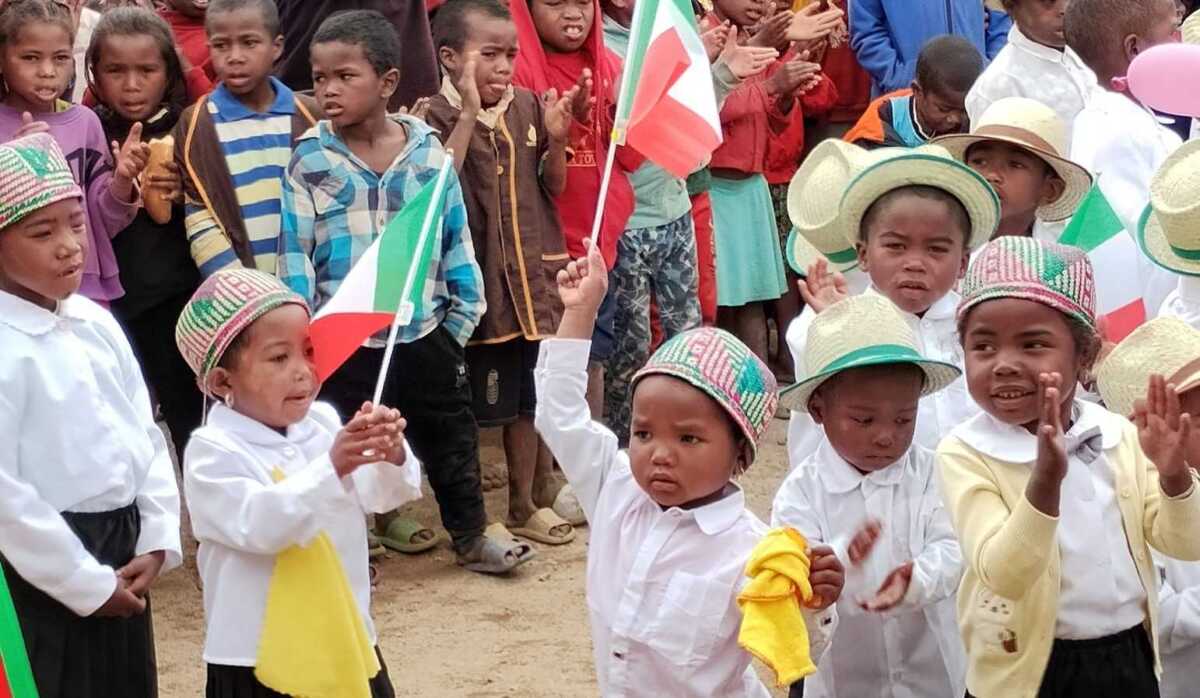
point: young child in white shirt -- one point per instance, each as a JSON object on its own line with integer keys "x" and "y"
{"x": 896, "y": 633}
{"x": 913, "y": 218}
{"x": 89, "y": 510}
{"x": 272, "y": 469}
{"x": 1057, "y": 501}
{"x": 670, "y": 533}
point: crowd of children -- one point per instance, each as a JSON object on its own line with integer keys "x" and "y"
{"x": 993, "y": 479}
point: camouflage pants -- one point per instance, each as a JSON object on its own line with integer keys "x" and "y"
{"x": 658, "y": 262}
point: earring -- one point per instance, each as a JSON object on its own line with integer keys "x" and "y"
{"x": 228, "y": 400}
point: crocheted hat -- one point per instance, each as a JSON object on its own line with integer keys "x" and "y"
{"x": 717, "y": 363}
{"x": 33, "y": 174}
{"x": 1059, "y": 276}
{"x": 1166, "y": 346}
{"x": 225, "y": 305}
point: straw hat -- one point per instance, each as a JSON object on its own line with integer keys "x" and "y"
{"x": 1191, "y": 29}
{"x": 1169, "y": 231}
{"x": 1167, "y": 346}
{"x": 929, "y": 165}
{"x": 1035, "y": 127}
{"x": 864, "y": 330}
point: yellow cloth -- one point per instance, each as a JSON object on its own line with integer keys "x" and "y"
{"x": 314, "y": 643}
{"x": 773, "y": 627}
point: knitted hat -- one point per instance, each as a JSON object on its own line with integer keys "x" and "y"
{"x": 1165, "y": 346}
{"x": 225, "y": 305}
{"x": 717, "y": 363}
{"x": 1011, "y": 266}
{"x": 33, "y": 175}
{"x": 864, "y": 330}
{"x": 1169, "y": 231}
{"x": 1031, "y": 125}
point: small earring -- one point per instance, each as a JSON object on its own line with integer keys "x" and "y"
{"x": 228, "y": 400}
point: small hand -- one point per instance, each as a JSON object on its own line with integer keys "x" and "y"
{"x": 140, "y": 572}
{"x": 557, "y": 113}
{"x": 395, "y": 425}
{"x": 827, "y": 577}
{"x": 864, "y": 541}
{"x": 1164, "y": 431}
{"x": 716, "y": 39}
{"x": 744, "y": 60}
{"x": 811, "y": 23}
{"x": 822, "y": 288}
{"x": 1052, "y": 448}
{"x": 131, "y": 157}
{"x": 467, "y": 86}
{"x": 168, "y": 182}
{"x": 892, "y": 591}
{"x": 583, "y": 283}
{"x": 364, "y": 439}
{"x": 30, "y": 127}
{"x": 791, "y": 75}
{"x": 122, "y": 604}
{"x": 581, "y": 105}
{"x": 773, "y": 32}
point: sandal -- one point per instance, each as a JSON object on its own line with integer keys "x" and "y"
{"x": 567, "y": 506}
{"x": 546, "y": 527}
{"x": 408, "y": 537}
{"x": 374, "y": 547}
{"x": 495, "y": 555}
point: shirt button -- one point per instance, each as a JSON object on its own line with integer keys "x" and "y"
{"x": 1125, "y": 493}
{"x": 499, "y": 169}
{"x": 289, "y": 452}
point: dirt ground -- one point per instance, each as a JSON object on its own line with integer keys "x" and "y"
{"x": 448, "y": 632}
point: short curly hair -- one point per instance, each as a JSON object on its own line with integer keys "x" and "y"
{"x": 367, "y": 29}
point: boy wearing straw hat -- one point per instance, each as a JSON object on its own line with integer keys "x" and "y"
{"x": 1169, "y": 230}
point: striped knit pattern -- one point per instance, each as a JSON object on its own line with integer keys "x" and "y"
{"x": 1059, "y": 276}
{"x": 226, "y": 303}
{"x": 718, "y": 363}
{"x": 33, "y": 174}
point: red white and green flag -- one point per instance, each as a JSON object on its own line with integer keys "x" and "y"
{"x": 1096, "y": 229}
{"x": 667, "y": 109}
{"x": 386, "y": 286}
{"x": 16, "y": 676}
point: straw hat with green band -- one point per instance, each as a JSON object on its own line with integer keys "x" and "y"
{"x": 864, "y": 330}
{"x": 1169, "y": 231}
{"x": 929, "y": 166}
{"x": 1166, "y": 346}
{"x": 1190, "y": 29}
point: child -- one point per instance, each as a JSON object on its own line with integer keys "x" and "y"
{"x": 186, "y": 19}
{"x": 896, "y": 618}
{"x": 1115, "y": 136}
{"x": 510, "y": 149}
{"x": 914, "y": 217}
{"x": 136, "y": 76}
{"x": 1167, "y": 235}
{"x": 933, "y": 105}
{"x": 233, "y": 146}
{"x": 90, "y": 512}
{"x": 272, "y": 469}
{"x": 1018, "y": 145}
{"x": 670, "y": 533}
{"x": 1054, "y": 503}
{"x": 41, "y": 29}
{"x": 377, "y": 163}
{"x": 1036, "y": 63}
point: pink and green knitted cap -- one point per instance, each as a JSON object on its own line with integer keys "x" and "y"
{"x": 1059, "y": 276}
{"x": 226, "y": 304}
{"x": 717, "y": 363}
{"x": 33, "y": 175}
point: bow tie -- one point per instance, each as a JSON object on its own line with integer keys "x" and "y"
{"x": 1086, "y": 446}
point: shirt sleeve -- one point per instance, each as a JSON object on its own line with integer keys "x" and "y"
{"x": 938, "y": 569}
{"x": 464, "y": 280}
{"x": 586, "y": 449}
{"x": 107, "y": 214}
{"x": 1169, "y": 523}
{"x": 297, "y": 238}
{"x": 872, "y": 44}
{"x": 1178, "y": 609}
{"x": 208, "y": 244}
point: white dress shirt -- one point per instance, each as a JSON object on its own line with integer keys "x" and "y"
{"x": 661, "y": 584}
{"x": 914, "y": 650}
{"x": 1101, "y": 593}
{"x": 1025, "y": 68}
{"x": 242, "y": 518}
{"x": 1123, "y": 145}
{"x": 76, "y": 435}
{"x": 937, "y": 339}
{"x": 1184, "y": 301}
{"x": 1179, "y": 626}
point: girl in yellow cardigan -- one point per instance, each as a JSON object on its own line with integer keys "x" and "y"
{"x": 1055, "y": 503}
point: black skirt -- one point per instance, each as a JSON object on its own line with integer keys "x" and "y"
{"x": 238, "y": 682}
{"x": 77, "y": 657}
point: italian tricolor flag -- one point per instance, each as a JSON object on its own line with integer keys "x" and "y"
{"x": 16, "y": 677}
{"x": 386, "y": 285}
{"x": 667, "y": 109}
{"x": 1097, "y": 230}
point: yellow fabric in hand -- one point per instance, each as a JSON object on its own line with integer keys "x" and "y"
{"x": 773, "y": 627}
{"x": 314, "y": 643}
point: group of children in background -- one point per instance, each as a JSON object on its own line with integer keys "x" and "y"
{"x": 966, "y": 448}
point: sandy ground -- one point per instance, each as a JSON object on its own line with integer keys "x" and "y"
{"x": 448, "y": 632}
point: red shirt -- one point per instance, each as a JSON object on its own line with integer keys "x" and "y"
{"x": 193, "y": 40}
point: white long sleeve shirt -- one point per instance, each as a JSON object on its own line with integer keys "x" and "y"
{"x": 1179, "y": 626}
{"x": 76, "y": 435}
{"x": 661, "y": 584}
{"x": 1184, "y": 301}
{"x": 914, "y": 650}
{"x": 242, "y": 518}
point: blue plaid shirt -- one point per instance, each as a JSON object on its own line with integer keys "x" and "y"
{"x": 334, "y": 206}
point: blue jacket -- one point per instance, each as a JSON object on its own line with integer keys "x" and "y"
{"x": 887, "y": 35}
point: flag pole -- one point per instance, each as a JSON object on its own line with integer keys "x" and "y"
{"x": 608, "y": 168}
{"x": 404, "y": 313}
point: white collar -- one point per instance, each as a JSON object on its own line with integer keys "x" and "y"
{"x": 943, "y": 308}
{"x": 715, "y": 517}
{"x": 1189, "y": 288}
{"x": 257, "y": 433}
{"x": 839, "y": 477}
{"x": 1067, "y": 56}
{"x": 1013, "y": 444}
{"x": 32, "y": 319}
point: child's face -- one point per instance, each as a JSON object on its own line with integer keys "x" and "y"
{"x": 1022, "y": 180}
{"x": 1008, "y": 343}
{"x": 243, "y": 52}
{"x": 38, "y": 65}
{"x": 189, "y": 8}
{"x": 495, "y": 40}
{"x": 914, "y": 253}
{"x": 940, "y": 112}
{"x": 681, "y": 447}
{"x": 1041, "y": 20}
{"x": 563, "y": 25}
{"x": 743, "y": 13}
{"x": 1164, "y": 28}
{"x": 272, "y": 378}
{"x": 41, "y": 255}
{"x": 346, "y": 84}
{"x": 869, "y": 414}
{"x": 131, "y": 75}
